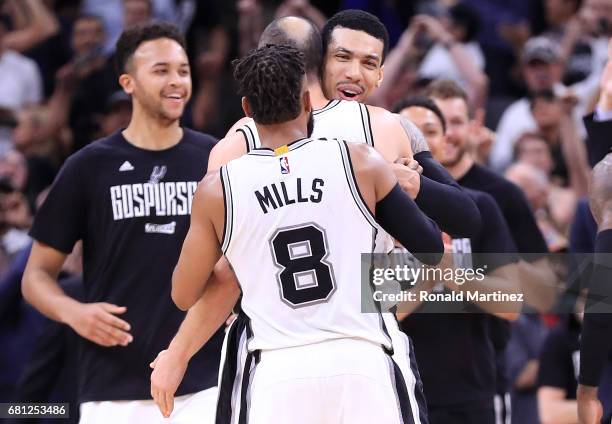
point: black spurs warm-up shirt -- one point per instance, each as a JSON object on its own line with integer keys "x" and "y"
{"x": 455, "y": 351}
{"x": 131, "y": 207}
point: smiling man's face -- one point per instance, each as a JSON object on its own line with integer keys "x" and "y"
{"x": 353, "y": 65}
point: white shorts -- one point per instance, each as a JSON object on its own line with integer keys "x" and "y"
{"x": 240, "y": 370}
{"x": 193, "y": 408}
{"x": 336, "y": 381}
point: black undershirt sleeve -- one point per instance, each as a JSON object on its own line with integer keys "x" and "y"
{"x": 596, "y": 339}
{"x": 443, "y": 200}
{"x": 401, "y": 218}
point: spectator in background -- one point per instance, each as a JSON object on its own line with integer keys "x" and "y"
{"x": 438, "y": 49}
{"x": 112, "y": 14}
{"x": 553, "y": 211}
{"x": 582, "y": 49}
{"x": 522, "y": 359}
{"x": 90, "y": 75}
{"x": 554, "y": 120}
{"x": 20, "y": 81}
{"x": 33, "y": 23}
{"x": 542, "y": 69}
{"x": 136, "y": 12}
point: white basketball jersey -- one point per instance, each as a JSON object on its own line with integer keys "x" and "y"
{"x": 295, "y": 229}
{"x": 340, "y": 119}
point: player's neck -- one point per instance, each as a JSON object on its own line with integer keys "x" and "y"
{"x": 317, "y": 98}
{"x": 277, "y": 135}
{"x": 148, "y": 133}
{"x": 461, "y": 168}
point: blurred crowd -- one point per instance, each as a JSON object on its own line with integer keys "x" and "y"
{"x": 531, "y": 69}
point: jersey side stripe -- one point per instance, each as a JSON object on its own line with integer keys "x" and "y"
{"x": 350, "y": 178}
{"x": 367, "y": 126}
{"x": 247, "y": 141}
{"x": 229, "y": 209}
{"x": 256, "y": 141}
{"x": 369, "y": 133}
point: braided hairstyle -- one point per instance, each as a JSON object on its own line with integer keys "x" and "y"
{"x": 271, "y": 79}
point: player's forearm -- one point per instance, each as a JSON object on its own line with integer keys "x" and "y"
{"x": 42, "y": 291}
{"x": 205, "y": 317}
{"x": 421, "y": 237}
{"x": 443, "y": 200}
{"x": 502, "y": 280}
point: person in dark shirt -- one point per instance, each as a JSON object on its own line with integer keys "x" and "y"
{"x": 460, "y": 388}
{"x": 536, "y": 275}
{"x": 559, "y": 364}
{"x": 128, "y": 197}
{"x": 597, "y": 328}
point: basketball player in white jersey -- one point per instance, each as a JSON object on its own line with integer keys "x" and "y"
{"x": 292, "y": 218}
{"x": 339, "y": 119}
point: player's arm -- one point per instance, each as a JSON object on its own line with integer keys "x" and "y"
{"x": 392, "y": 207}
{"x": 439, "y": 195}
{"x": 203, "y": 319}
{"x": 201, "y": 248}
{"x": 596, "y": 338}
{"x": 229, "y": 148}
{"x": 96, "y": 322}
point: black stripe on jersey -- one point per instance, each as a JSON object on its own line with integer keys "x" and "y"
{"x": 251, "y": 362}
{"x": 229, "y": 209}
{"x": 401, "y": 393}
{"x": 419, "y": 395}
{"x": 365, "y": 122}
{"x": 352, "y": 182}
{"x": 330, "y": 105}
{"x": 230, "y": 371}
{"x": 369, "y": 133}
{"x": 247, "y": 141}
{"x": 255, "y": 140}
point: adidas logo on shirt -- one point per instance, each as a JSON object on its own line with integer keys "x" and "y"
{"x": 127, "y": 166}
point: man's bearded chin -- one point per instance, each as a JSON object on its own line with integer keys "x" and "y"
{"x": 310, "y": 125}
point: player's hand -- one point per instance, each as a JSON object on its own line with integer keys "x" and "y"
{"x": 590, "y": 410}
{"x": 408, "y": 173}
{"x": 98, "y": 322}
{"x": 168, "y": 372}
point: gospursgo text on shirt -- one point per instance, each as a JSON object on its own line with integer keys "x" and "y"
{"x": 159, "y": 199}
{"x": 277, "y": 195}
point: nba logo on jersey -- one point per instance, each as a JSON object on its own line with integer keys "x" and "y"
{"x": 284, "y": 165}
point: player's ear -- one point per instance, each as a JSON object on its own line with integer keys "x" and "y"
{"x": 246, "y": 108}
{"x": 127, "y": 83}
{"x": 306, "y": 101}
{"x": 381, "y": 75}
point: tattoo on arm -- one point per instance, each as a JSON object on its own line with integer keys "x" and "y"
{"x": 417, "y": 140}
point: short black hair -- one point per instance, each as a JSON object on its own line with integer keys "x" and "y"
{"x": 467, "y": 17}
{"x": 358, "y": 20}
{"x": 132, "y": 38}
{"x": 311, "y": 46}
{"x": 271, "y": 78}
{"x": 420, "y": 101}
